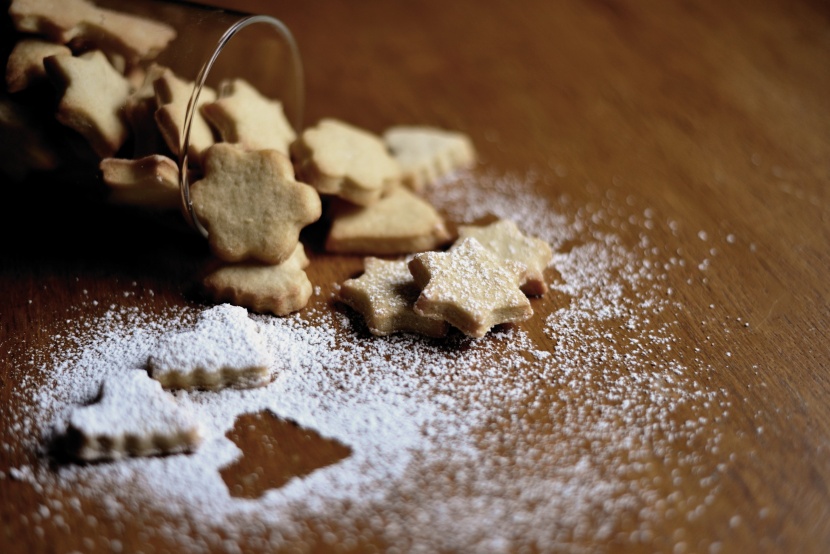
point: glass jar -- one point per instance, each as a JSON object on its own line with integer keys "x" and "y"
{"x": 209, "y": 46}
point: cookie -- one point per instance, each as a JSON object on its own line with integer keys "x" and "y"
{"x": 224, "y": 349}
{"x": 399, "y": 223}
{"x": 529, "y": 254}
{"x": 469, "y": 288}
{"x": 93, "y": 95}
{"x": 132, "y": 417}
{"x": 278, "y": 289}
{"x": 24, "y": 67}
{"x": 172, "y": 97}
{"x": 149, "y": 182}
{"x": 87, "y": 26}
{"x": 428, "y": 154}
{"x": 342, "y": 160}
{"x": 385, "y": 296}
{"x": 251, "y": 205}
{"x": 59, "y": 22}
{"x": 244, "y": 116}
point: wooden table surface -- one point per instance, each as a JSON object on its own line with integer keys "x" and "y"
{"x": 693, "y": 134}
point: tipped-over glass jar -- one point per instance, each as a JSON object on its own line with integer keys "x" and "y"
{"x": 203, "y": 48}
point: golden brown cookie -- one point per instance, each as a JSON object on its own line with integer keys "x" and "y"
{"x": 25, "y": 64}
{"x": 385, "y": 296}
{"x": 223, "y": 350}
{"x": 399, "y": 223}
{"x": 469, "y": 288}
{"x": 251, "y": 205}
{"x": 93, "y": 95}
{"x": 342, "y": 160}
{"x": 529, "y": 254}
{"x": 133, "y": 417}
{"x": 172, "y": 96}
{"x": 280, "y": 289}
{"x": 149, "y": 182}
{"x": 87, "y": 26}
{"x": 59, "y": 21}
{"x": 242, "y": 115}
{"x": 427, "y": 154}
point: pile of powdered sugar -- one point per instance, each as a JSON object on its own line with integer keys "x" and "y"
{"x": 491, "y": 444}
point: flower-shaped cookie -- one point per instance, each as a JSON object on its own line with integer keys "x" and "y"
{"x": 224, "y": 349}
{"x": 280, "y": 289}
{"x": 385, "y": 296}
{"x": 134, "y": 417}
{"x": 529, "y": 255}
{"x": 250, "y": 204}
{"x": 342, "y": 160}
{"x": 468, "y": 287}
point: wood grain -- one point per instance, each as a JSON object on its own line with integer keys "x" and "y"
{"x": 714, "y": 117}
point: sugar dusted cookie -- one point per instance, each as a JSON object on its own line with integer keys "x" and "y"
{"x": 86, "y": 25}
{"x": 242, "y": 115}
{"x": 251, "y": 205}
{"x": 342, "y": 160}
{"x": 399, "y": 223}
{"x": 133, "y": 417}
{"x": 427, "y": 154}
{"x": 151, "y": 181}
{"x": 25, "y": 64}
{"x": 385, "y": 296}
{"x": 280, "y": 289}
{"x": 469, "y": 288}
{"x": 531, "y": 255}
{"x": 224, "y": 349}
{"x": 93, "y": 95}
{"x": 172, "y": 96}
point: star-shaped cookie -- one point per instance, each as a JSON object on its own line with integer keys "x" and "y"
{"x": 172, "y": 96}
{"x": 224, "y": 349}
{"x": 399, "y": 223}
{"x": 469, "y": 288}
{"x": 93, "y": 95}
{"x": 385, "y": 296}
{"x": 427, "y": 154}
{"x": 133, "y": 417}
{"x": 250, "y": 204}
{"x": 343, "y": 160}
{"x": 242, "y": 115}
{"x": 279, "y": 289}
{"x": 529, "y": 255}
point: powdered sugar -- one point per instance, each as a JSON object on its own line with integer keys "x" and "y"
{"x": 493, "y": 444}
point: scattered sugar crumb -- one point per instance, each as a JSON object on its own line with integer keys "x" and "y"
{"x": 508, "y": 443}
